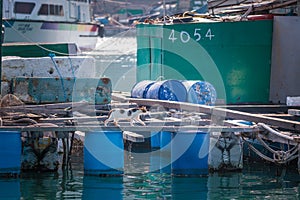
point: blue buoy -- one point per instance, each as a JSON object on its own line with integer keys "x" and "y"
{"x": 140, "y": 89}
{"x": 10, "y": 152}
{"x": 172, "y": 90}
{"x": 190, "y": 153}
{"x": 104, "y": 153}
{"x": 200, "y": 92}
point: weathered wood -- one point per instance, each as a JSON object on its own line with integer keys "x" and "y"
{"x": 66, "y": 108}
{"x": 133, "y": 137}
{"x": 253, "y": 108}
{"x": 136, "y": 129}
{"x": 223, "y": 112}
{"x": 294, "y": 112}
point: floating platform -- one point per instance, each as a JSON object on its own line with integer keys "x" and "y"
{"x": 184, "y": 138}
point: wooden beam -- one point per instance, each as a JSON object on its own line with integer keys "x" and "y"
{"x": 136, "y": 129}
{"x": 133, "y": 137}
{"x": 221, "y": 112}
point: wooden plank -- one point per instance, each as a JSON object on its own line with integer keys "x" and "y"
{"x": 221, "y": 112}
{"x": 133, "y": 137}
{"x": 257, "y": 108}
{"x": 136, "y": 129}
{"x": 65, "y": 108}
{"x": 294, "y": 112}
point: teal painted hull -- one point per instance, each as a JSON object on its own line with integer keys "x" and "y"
{"x": 235, "y": 57}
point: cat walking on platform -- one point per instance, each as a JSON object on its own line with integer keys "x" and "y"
{"x": 131, "y": 114}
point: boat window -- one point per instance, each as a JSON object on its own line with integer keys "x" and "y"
{"x": 23, "y": 7}
{"x": 50, "y": 9}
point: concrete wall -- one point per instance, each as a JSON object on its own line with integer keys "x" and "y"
{"x": 285, "y": 68}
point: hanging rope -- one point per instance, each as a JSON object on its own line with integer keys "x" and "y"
{"x": 72, "y": 68}
{"x": 279, "y": 156}
{"x": 51, "y": 55}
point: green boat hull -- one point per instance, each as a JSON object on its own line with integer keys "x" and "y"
{"x": 39, "y": 50}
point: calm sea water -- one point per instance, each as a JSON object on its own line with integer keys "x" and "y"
{"x": 255, "y": 181}
{"x": 116, "y": 59}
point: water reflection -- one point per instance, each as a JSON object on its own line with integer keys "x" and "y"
{"x": 10, "y": 188}
{"x": 95, "y": 187}
{"x": 256, "y": 181}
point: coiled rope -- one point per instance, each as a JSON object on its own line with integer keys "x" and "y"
{"x": 279, "y": 156}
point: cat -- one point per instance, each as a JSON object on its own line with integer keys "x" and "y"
{"x": 131, "y": 114}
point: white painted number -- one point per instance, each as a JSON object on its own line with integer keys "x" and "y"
{"x": 185, "y": 38}
{"x": 172, "y": 36}
{"x": 209, "y": 34}
{"x": 197, "y": 34}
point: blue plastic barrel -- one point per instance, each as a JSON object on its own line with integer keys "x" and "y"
{"x": 200, "y": 92}
{"x": 103, "y": 153}
{"x": 172, "y": 90}
{"x": 10, "y": 152}
{"x": 190, "y": 153}
{"x": 140, "y": 89}
{"x": 155, "y": 139}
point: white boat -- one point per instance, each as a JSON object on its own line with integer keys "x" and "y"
{"x": 55, "y": 21}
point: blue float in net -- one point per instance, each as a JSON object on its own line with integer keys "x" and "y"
{"x": 140, "y": 89}
{"x": 200, "y": 92}
{"x": 171, "y": 90}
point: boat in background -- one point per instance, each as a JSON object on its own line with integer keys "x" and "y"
{"x": 55, "y": 21}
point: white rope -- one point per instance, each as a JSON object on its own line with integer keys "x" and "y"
{"x": 275, "y": 132}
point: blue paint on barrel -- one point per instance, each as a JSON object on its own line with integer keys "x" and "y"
{"x": 104, "y": 153}
{"x": 10, "y": 152}
{"x": 155, "y": 140}
{"x": 190, "y": 153}
{"x": 165, "y": 151}
{"x": 200, "y": 92}
{"x": 172, "y": 90}
{"x": 140, "y": 89}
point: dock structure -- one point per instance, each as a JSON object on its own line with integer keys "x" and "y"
{"x": 186, "y": 138}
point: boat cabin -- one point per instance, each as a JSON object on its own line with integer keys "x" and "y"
{"x": 44, "y": 10}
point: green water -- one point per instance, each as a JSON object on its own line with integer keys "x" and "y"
{"x": 255, "y": 181}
